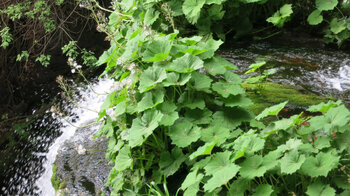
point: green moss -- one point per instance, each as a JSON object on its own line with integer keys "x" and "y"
{"x": 273, "y": 93}
{"x": 55, "y": 180}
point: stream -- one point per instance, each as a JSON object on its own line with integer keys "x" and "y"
{"x": 323, "y": 71}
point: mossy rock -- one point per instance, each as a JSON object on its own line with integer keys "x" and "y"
{"x": 267, "y": 94}
{"x": 56, "y": 182}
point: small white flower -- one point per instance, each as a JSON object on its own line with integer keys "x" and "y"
{"x": 120, "y": 60}
{"x": 80, "y": 149}
{"x": 78, "y": 66}
{"x": 73, "y": 70}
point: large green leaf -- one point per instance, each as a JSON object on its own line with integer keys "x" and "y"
{"x": 337, "y": 25}
{"x": 211, "y": 45}
{"x": 192, "y": 9}
{"x": 319, "y": 189}
{"x": 151, "y": 16}
{"x": 324, "y": 107}
{"x": 123, "y": 159}
{"x": 231, "y": 118}
{"x": 185, "y": 64}
{"x": 247, "y": 144}
{"x": 320, "y": 165}
{"x": 291, "y": 162}
{"x": 271, "y": 111}
{"x": 203, "y": 150}
{"x": 143, "y": 127}
{"x": 239, "y": 187}
{"x": 335, "y": 117}
{"x": 176, "y": 79}
{"x": 150, "y": 100}
{"x": 198, "y": 116}
{"x": 238, "y": 100}
{"x": 315, "y": 17}
{"x": 191, "y": 178}
{"x": 157, "y": 50}
{"x": 170, "y": 162}
{"x": 226, "y": 89}
{"x": 215, "y": 133}
{"x": 222, "y": 169}
{"x": 151, "y": 77}
{"x": 200, "y": 82}
{"x": 169, "y": 113}
{"x": 263, "y": 190}
{"x": 252, "y": 167}
{"x": 183, "y": 133}
{"x": 217, "y": 65}
{"x": 326, "y": 4}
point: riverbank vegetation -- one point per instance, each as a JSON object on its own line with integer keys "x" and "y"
{"x": 179, "y": 120}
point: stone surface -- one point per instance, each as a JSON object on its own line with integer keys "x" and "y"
{"x": 81, "y": 164}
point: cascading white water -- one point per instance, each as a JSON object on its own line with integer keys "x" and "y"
{"x": 87, "y": 99}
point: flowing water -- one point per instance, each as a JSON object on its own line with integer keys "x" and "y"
{"x": 33, "y": 165}
{"x": 323, "y": 71}
{"x": 320, "y": 70}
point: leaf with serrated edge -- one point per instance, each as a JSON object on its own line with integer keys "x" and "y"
{"x": 291, "y": 162}
{"x": 183, "y": 133}
{"x": 253, "y": 167}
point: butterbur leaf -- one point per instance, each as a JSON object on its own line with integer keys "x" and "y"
{"x": 123, "y": 159}
{"x": 322, "y": 142}
{"x": 252, "y": 167}
{"x": 291, "y": 144}
{"x": 315, "y": 17}
{"x": 263, "y": 190}
{"x": 291, "y": 162}
{"x": 200, "y": 82}
{"x": 185, "y": 64}
{"x": 203, "y": 150}
{"x": 271, "y": 159}
{"x": 192, "y": 190}
{"x": 222, "y": 169}
{"x": 143, "y": 127}
{"x": 215, "y": 133}
{"x": 342, "y": 141}
{"x": 320, "y": 165}
{"x": 198, "y": 116}
{"x": 191, "y": 178}
{"x": 225, "y": 89}
{"x": 238, "y": 100}
{"x": 170, "y": 162}
{"x": 196, "y": 101}
{"x": 217, "y": 65}
{"x": 232, "y": 78}
{"x": 318, "y": 188}
{"x": 158, "y": 50}
{"x": 151, "y": 16}
{"x": 271, "y": 111}
{"x": 211, "y": 45}
{"x": 335, "y": 117}
{"x": 183, "y": 133}
{"x": 151, "y": 77}
{"x": 231, "y": 117}
{"x": 326, "y": 4}
{"x": 189, "y": 41}
{"x": 239, "y": 187}
{"x": 247, "y": 144}
{"x": 192, "y": 9}
{"x": 176, "y": 79}
{"x": 286, "y": 10}
{"x": 150, "y": 100}
{"x": 324, "y": 107}
{"x": 169, "y": 113}
{"x": 337, "y": 25}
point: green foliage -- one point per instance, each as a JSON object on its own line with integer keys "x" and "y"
{"x": 44, "y": 60}
{"x": 281, "y": 16}
{"x": 24, "y": 55}
{"x": 6, "y": 37}
{"x": 180, "y": 110}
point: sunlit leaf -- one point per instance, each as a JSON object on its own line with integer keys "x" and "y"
{"x": 176, "y": 79}
{"x": 185, "y": 64}
{"x": 169, "y": 113}
{"x": 183, "y": 133}
{"x": 203, "y": 150}
{"x": 315, "y": 17}
{"x": 151, "y": 16}
{"x": 271, "y": 111}
{"x": 252, "y": 167}
{"x": 158, "y": 50}
{"x": 123, "y": 159}
{"x": 151, "y": 77}
{"x": 192, "y": 9}
{"x": 150, "y": 100}
{"x": 326, "y": 4}
{"x": 318, "y": 188}
{"x": 320, "y": 165}
{"x": 143, "y": 127}
{"x": 263, "y": 190}
{"x": 291, "y": 162}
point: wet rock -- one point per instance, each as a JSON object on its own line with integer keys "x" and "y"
{"x": 80, "y": 167}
